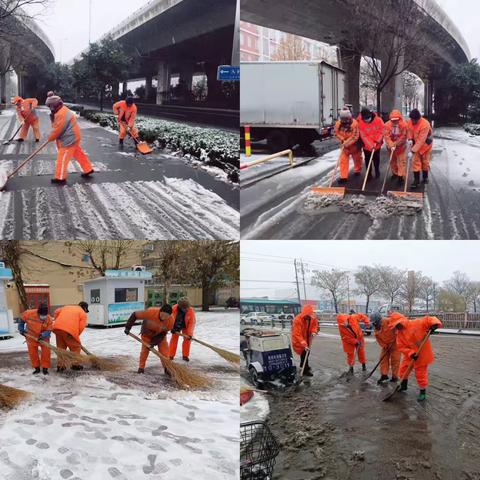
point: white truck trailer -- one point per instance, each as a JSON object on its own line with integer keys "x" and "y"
{"x": 290, "y": 103}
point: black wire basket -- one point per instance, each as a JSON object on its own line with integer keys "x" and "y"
{"x": 258, "y": 451}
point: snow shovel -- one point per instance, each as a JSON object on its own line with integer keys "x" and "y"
{"x": 416, "y": 196}
{"x": 409, "y": 369}
{"x": 142, "y": 147}
{"x": 388, "y": 172}
{"x": 331, "y": 191}
{"x": 4, "y": 177}
{"x": 378, "y": 363}
{"x": 300, "y": 377}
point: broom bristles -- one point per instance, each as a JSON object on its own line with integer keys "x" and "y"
{"x": 225, "y": 354}
{"x": 11, "y": 397}
{"x": 102, "y": 363}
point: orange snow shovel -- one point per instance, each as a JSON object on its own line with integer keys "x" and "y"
{"x": 331, "y": 191}
{"x": 409, "y": 369}
{"x": 142, "y": 147}
{"x": 4, "y": 177}
{"x": 415, "y": 196}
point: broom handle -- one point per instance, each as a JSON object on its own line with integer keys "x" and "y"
{"x": 388, "y": 170}
{"x": 368, "y": 170}
{"x": 38, "y": 150}
{"x": 335, "y": 169}
{"x": 380, "y": 361}
{"x": 412, "y": 363}
{"x": 86, "y": 351}
{"x": 408, "y": 170}
{"x": 22, "y": 123}
{"x": 145, "y": 344}
{"x": 41, "y": 342}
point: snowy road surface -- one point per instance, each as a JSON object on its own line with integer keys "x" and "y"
{"x": 124, "y": 426}
{"x": 157, "y": 196}
{"x": 282, "y": 206}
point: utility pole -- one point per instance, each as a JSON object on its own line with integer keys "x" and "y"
{"x": 348, "y": 293}
{"x": 236, "y": 39}
{"x": 303, "y": 276}
{"x": 296, "y": 280}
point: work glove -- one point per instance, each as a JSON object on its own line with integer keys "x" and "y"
{"x": 175, "y": 330}
{"x": 358, "y": 344}
{"x": 415, "y": 356}
{"x": 127, "y": 331}
{"x": 45, "y": 334}
{"x": 307, "y": 349}
{"x": 433, "y": 328}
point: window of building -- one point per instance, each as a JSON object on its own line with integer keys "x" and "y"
{"x": 95, "y": 296}
{"x": 126, "y": 295}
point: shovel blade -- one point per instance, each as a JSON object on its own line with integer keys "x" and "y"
{"x": 143, "y": 148}
{"x": 390, "y": 394}
{"x": 416, "y": 196}
{"x": 330, "y": 191}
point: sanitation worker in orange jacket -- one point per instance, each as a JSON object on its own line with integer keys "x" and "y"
{"x": 66, "y": 132}
{"x": 126, "y": 112}
{"x": 395, "y": 135}
{"x": 26, "y": 114}
{"x": 184, "y": 321}
{"x": 410, "y": 334}
{"x": 420, "y": 133}
{"x": 352, "y": 337}
{"x": 386, "y": 338}
{"x": 371, "y": 126}
{"x": 157, "y": 322}
{"x": 37, "y": 323}
{"x": 346, "y": 131}
{"x": 70, "y": 322}
{"x": 304, "y": 327}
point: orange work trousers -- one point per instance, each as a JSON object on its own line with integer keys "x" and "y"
{"x": 144, "y": 352}
{"x": 45, "y": 360}
{"x": 398, "y": 163}
{"x": 345, "y": 161}
{"x": 185, "y": 345}
{"x": 123, "y": 131}
{"x": 421, "y": 373}
{"x": 422, "y": 162}
{"x": 66, "y": 154}
{"x": 390, "y": 361}
{"x": 26, "y": 127}
{"x": 64, "y": 341}
{"x": 350, "y": 351}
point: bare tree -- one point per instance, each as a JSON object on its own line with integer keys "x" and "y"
{"x": 449, "y": 301}
{"x": 411, "y": 90}
{"x": 105, "y": 255}
{"x": 334, "y": 281}
{"x": 461, "y": 285}
{"x": 386, "y": 43}
{"x": 426, "y": 292}
{"x": 18, "y": 10}
{"x": 291, "y": 47}
{"x": 11, "y": 252}
{"x": 411, "y": 289}
{"x": 475, "y": 288}
{"x": 368, "y": 281}
{"x": 392, "y": 282}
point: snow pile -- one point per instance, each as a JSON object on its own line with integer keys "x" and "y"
{"x": 380, "y": 208}
{"x": 123, "y": 425}
{"x": 211, "y": 146}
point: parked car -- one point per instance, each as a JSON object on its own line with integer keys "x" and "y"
{"x": 232, "y": 302}
{"x": 257, "y": 318}
{"x": 285, "y": 316}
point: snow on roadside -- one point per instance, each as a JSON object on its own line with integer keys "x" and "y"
{"x": 122, "y": 425}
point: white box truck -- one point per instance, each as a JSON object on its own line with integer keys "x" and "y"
{"x": 290, "y": 103}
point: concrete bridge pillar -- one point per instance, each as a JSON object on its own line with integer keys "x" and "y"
{"x": 163, "y": 82}
{"x": 350, "y": 62}
{"x": 392, "y": 94}
{"x": 124, "y": 88}
{"x": 3, "y": 88}
{"x": 148, "y": 87}
{"x": 428, "y": 97}
{"x": 20, "y": 84}
{"x": 186, "y": 75}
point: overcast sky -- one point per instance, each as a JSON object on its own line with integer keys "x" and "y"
{"x": 66, "y": 22}
{"x": 437, "y": 259}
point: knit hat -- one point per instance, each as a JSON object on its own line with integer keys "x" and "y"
{"x": 415, "y": 114}
{"x": 53, "y": 101}
{"x": 51, "y": 93}
{"x": 345, "y": 114}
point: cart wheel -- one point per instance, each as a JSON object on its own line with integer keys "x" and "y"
{"x": 254, "y": 376}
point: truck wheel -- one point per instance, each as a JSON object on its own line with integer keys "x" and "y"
{"x": 253, "y": 376}
{"x": 277, "y": 140}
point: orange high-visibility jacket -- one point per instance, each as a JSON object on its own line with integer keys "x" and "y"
{"x": 371, "y": 133}
{"x": 302, "y": 330}
{"x": 26, "y": 110}
{"x": 395, "y": 135}
{"x": 350, "y": 330}
{"x": 348, "y": 136}
{"x": 385, "y": 335}
{"x": 65, "y": 129}
{"x": 35, "y": 326}
{"x": 125, "y": 113}
{"x": 71, "y": 319}
{"x": 152, "y": 323}
{"x": 419, "y": 134}
{"x": 190, "y": 319}
{"x": 410, "y": 337}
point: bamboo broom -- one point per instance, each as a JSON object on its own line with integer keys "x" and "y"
{"x": 225, "y": 354}
{"x": 101, "y": 363}
{"x": 182, "y": 375}
{"x": 66, "y": 357}
{"x": 11, "y": 397}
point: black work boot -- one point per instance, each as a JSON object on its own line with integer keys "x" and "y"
{"x": 422, "y": 396}
{"x": 404, "y": 385}
{"x": 425, "y": 176}
{"x": 185, "y": 359}
{"x": 382, "y": 379}
{"x": 342, "y": 181}
{"x": 416, "y": 180}
{"x": 400, "y": 180}
{"x": 45, "y": 371}
{"x": 58, "y": 181}
{"x": 20, "y": 140}
{"x": 87, "y": 174}
{"x": 308, "y": 372}
{"x": 120, "y": 142}
{"x": 364, "y": 367}
{"x": 141, "y": 370}
{"x": 37, "y": 370}
{"x": 350, "y": 371}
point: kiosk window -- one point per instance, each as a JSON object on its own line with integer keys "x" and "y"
{"x": 95, "y": 296}
{"x": 126, "y": 295}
